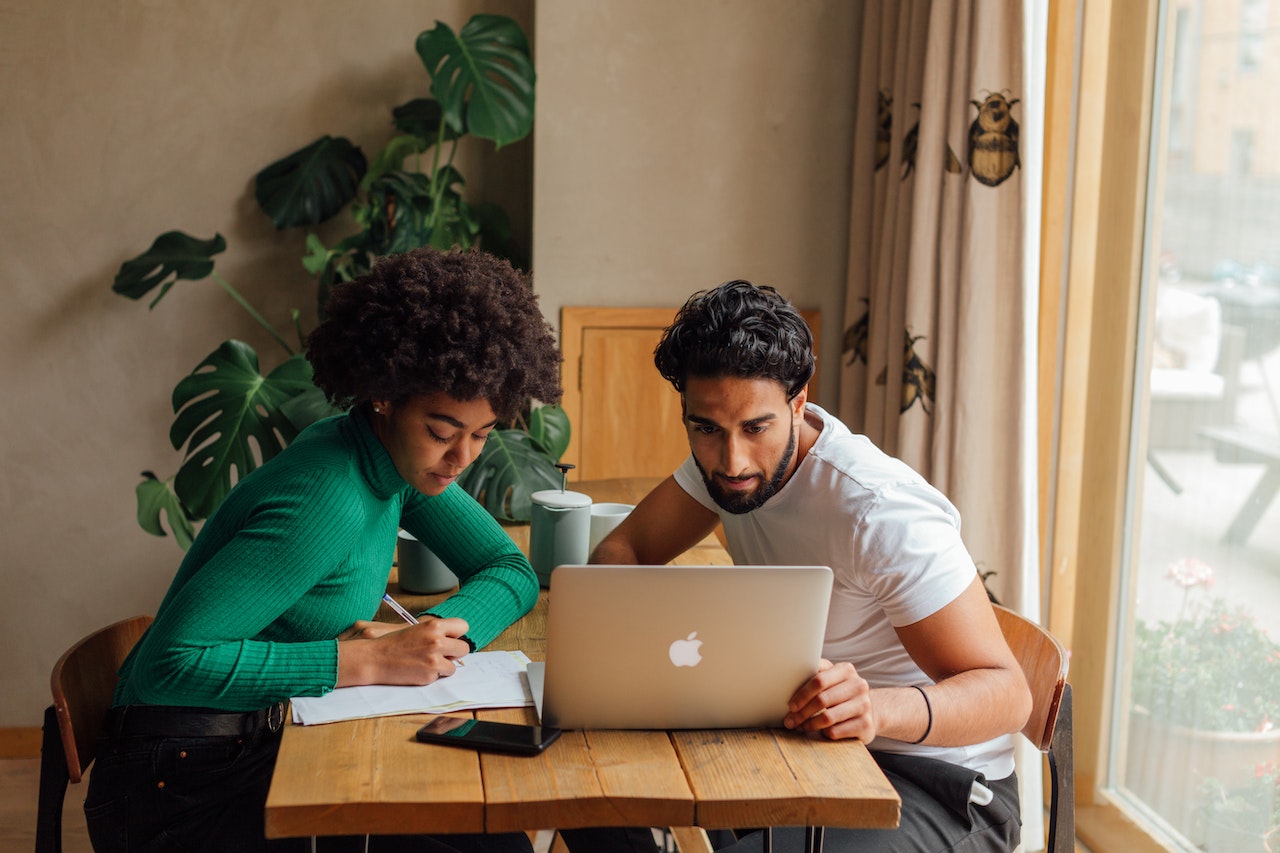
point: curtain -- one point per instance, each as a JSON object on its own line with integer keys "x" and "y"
{"x": 938, "y": 361}
{"x": 933, "y": 367}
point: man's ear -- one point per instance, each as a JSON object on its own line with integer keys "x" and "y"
{"x": 797, "y": 403}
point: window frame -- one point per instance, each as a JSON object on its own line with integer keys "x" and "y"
{"x": 1101, "y": 66}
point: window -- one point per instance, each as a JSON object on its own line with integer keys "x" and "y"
{"x": 1195, "y": 722}
{"x": 1155, "y": 237}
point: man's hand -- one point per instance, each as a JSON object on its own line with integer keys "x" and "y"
{"x": 408, "y": 654}
{"x": 836, "y": 702}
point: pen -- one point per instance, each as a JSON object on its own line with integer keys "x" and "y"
{"x": 395, "y": 605}
{"x": 406, "y": 615}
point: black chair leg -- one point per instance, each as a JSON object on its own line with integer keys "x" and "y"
{"x": 1062, "y": 795}
{"x": 53, "y": 786}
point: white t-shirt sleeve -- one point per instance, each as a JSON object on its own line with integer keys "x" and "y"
{"x": 909, "y": 553}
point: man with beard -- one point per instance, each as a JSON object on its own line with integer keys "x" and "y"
{"x": 914, "y": 662}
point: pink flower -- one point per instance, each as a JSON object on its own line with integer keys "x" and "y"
{"x": 1189, "y": 572}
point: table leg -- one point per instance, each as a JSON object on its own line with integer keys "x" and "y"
{"x": 1261, "y": 361}
{"x": 1163, "y": 473}
{"x": 1254, "y": 506}
{"x": 813, "y": 839}
{"x": 766, "y": 840}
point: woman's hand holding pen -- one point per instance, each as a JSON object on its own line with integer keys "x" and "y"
{"x": 380, "y": 653}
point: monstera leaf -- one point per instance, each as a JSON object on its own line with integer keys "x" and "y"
{"x": 311, "y": 184}
{"x": 549, "y": 427}
{"x": 507, "y": 472}
{"x": 224, "y": 408}
{"x": 422, "y": 117}
{"x": 482, "y": 77}
{"x": 307, "y": 408}
{"x": 156, "y": 497}
{"x": 172, "y": 254}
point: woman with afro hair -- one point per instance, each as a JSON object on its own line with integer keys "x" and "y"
{"x": 427, "y": 353}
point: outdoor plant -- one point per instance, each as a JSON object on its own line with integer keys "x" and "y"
{"x": 1212, "y": 667}
{"x": 1251, "y": 811}
{"x": 229, "y": 416}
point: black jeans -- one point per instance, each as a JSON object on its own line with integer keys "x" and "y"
{"x": 208, "y": 793}
{"x": 936, "y": 815}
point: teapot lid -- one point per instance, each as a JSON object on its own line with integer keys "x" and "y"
{"x": 560, "y": 499}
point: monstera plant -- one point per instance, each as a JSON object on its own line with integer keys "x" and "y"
{"x": 482, "y": 85}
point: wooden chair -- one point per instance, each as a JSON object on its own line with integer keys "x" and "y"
{"x": 1044, "y": 662}
{"x": 83, "y": 682}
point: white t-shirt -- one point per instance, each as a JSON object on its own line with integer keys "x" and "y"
{"x": 893, "y": 543}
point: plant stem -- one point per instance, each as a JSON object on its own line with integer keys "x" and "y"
{"x": 436, "y": 180}
{"x": 243, "y": 303}
{"x": 297, "y": 328}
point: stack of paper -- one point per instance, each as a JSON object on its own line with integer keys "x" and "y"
{"x": 487, "y": 680}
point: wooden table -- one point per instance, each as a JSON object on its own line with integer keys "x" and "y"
{"x": 371, "y": 776}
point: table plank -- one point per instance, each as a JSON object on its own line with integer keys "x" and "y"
{"x": 586, "y": 778}
{"x": 826, "y": 783}
{"x": 371, "y": 776}
{"x": 841, "y": 781}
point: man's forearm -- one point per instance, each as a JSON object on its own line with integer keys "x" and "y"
{"x": 614, "y": 552}
{"x": 967, "y": 708}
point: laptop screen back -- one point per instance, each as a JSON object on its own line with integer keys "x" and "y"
{"x": 680, "y": 647}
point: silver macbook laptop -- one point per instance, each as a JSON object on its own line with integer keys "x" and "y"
{"x": 680, "y": 647}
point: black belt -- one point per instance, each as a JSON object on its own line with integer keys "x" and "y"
{"x": 177, "y": 722}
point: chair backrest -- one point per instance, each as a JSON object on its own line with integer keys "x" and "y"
{"x": 1044, "y": 662}
{"x": 84, "y": 681}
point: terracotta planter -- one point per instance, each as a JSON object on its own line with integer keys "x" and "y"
{"x": 1166, "y": 765}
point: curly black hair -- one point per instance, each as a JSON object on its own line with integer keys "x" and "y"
{"x": 737, "y": 329}
{"x": 461, "y": 322}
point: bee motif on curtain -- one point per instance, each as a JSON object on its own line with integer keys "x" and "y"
{"x": 855, "y": 337}
{"x": 910, "y": 143}
{"x": 884, "y": 129}
{"x": 993, "y": 140}
{"x": 918, "y": 380}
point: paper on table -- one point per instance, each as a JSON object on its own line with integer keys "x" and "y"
{"x": 489, "y": 680}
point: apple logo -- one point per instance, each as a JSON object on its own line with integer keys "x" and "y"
{"x": 685, "y": 652}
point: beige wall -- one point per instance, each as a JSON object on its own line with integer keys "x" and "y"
{"x": 681, "y": 144}
{"x": 678, "y": 144}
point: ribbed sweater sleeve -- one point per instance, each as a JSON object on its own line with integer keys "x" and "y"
{"x": 496, "y": 583}
{"x": 198, "y": 653}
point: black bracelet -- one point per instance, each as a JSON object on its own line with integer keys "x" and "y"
{"x": 929, "y": 708}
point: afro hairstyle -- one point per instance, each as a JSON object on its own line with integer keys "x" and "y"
{"x": 463, "y": 323}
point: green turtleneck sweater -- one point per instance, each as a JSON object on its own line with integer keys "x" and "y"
{"x": 297, "y": 552}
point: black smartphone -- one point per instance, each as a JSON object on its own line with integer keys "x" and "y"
{"x": 488, "y": 735}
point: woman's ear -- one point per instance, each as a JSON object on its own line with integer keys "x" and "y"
{"x": 380, "y": 407}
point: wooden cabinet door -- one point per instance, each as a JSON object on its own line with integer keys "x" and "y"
{"x": 624, "y": 417}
